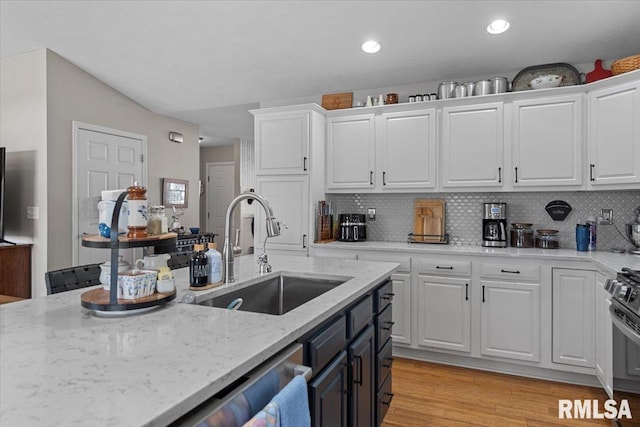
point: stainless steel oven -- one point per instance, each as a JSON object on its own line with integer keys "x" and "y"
{"x": 625, "y": 316}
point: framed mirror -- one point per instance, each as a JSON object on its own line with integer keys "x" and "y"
{"x": 175, "y": 193}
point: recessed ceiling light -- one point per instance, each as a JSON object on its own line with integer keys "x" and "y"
{"x": 498, "y": 26}
{"x": 371, "y": 46}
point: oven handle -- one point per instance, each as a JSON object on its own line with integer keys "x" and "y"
{"x": 632, "y": 335}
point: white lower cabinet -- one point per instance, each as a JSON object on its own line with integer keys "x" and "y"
{"x": 604, "y": 337}
{"x": 510, "y": 320}
{"x": 574, "y": 317}
{"x": 444, "y": 315}
{"x": 401, "y": 315}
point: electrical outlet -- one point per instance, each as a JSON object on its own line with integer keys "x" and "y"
{"x": 371, "y": 213}
{"x": 607, "y": 216}
{"x": 33, "y": 212}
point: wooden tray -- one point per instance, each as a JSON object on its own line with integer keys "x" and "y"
{"x": 336, "y": 101}
{"x": 97, "y": 241}
{"x": 429, "y": 220}
{"x": 98, "y": 299}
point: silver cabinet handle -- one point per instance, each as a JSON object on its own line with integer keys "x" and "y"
{"x": 591, "y": 168}
{"x": 384, "y": 178}
{"x": 304, "y": 241}
{"x": 499, "y": 175}
{"x": 371, "y": 177}
{"x": 304, "y": 164}
{"x": 516, "y": 174}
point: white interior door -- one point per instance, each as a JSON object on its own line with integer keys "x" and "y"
{"x": 105, "y": 159}
{"x": 220, "y": 192}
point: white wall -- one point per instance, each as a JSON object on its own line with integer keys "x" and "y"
{"x": 23, "y": 130}
{"x": 74, "y": 95}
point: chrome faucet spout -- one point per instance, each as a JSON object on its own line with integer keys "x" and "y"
{"x": 272, "y": 224}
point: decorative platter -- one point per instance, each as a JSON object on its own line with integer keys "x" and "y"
{"x": 98, "y": 300}
{"x": 571, "y": 76}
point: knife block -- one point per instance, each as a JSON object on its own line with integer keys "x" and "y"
{"x": 324, "y": 224}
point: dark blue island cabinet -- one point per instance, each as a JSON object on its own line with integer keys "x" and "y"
{"x": 350, "y": 355}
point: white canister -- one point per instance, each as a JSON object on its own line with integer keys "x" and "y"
{"x": 105, "y": 214}
{"x": 105, "y": 271}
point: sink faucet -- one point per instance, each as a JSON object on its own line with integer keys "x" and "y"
{"x": 273, "y": 229}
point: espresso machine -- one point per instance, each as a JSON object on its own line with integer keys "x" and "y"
{"x": 494, "y": 225}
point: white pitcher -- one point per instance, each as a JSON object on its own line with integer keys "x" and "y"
{"x": 153, "y": 262}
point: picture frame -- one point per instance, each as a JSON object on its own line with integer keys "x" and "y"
{"x": 175, "y": 193}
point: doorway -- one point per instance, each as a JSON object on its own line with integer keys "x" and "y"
{"x": 104, "y": 159}
{"x": 220, "y": 192}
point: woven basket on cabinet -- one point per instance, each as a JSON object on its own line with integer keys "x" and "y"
{"x": 625, "y": 65}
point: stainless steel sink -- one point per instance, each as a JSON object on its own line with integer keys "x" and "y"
{"x": 278, "y": 294}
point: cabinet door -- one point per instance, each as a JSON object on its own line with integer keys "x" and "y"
{"x": 547, "y": 142}
{"x": 604, "y": 337}
{"x": 510, "y": 320}
{"x": 328, "y": 395}
{"x": 472, "y": 146}
{"x": 407, "y": 143}
{"x": 289, "y": 199}
{"x": 573, "y": 301}
{"x": 444, "y": 313}
{"x": 614, "y": 135}
{"x": 401, "y": 316}
{"x": 282, "y": 143}
{"x": 361, "y": 354}
{"x": 351, "y": 152}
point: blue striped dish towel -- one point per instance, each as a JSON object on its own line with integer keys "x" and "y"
{"x": 289, "y": 408}
{"x": 293, "y": 403}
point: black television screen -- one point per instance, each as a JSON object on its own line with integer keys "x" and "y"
{"x": 2, "y": 173}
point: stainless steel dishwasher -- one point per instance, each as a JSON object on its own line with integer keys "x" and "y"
{"x": 236, "y": 404}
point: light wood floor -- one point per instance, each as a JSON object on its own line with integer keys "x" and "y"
{"x": 429, "y": 394}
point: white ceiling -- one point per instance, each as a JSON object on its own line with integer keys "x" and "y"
{"x": 208, "y": 62}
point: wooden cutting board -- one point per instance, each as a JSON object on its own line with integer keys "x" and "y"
{"x": 429, "y": 218}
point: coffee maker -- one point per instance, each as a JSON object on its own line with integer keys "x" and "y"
{"x": 494, "y": 225}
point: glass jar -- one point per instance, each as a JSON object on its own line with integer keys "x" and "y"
{"x": 521, "y": 235}
{"x": 158, "y": 222}
{"x": 547, "y": 239}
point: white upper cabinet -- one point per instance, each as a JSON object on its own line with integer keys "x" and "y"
{"x": 351, "y": 152}
{"x": 407, "y": 150}
{"x": 547, "y": 142}
{"x": 282, "y": 143}
{"x": 472, "y": 146}
{"x": 288, "y": 196}
{"x": 614, "y": 137}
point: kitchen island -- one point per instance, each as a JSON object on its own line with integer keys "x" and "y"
{"x": 61, "y": 365}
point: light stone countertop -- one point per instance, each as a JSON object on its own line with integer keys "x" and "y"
{"x": 608, "y": 262}
{"x": 60, "y": 365}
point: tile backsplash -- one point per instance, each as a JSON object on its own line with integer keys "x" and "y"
{"x": 394, "y": 213}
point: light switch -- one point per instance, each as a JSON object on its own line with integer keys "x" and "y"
{"x": 33, "y": 212}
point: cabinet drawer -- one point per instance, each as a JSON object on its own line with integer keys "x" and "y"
{"x": 328, "y": 343}
{"x": 384, "y": 326}
{"x": 359, "y": 316}
{"x": 383, "y": 400}
{"x": 384, "y": 360}
{"x": 510, "y": 271}
{"x": 404, "y": 261}
{"x": 445, "y": 268}
{"x": 383, "y": 297}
